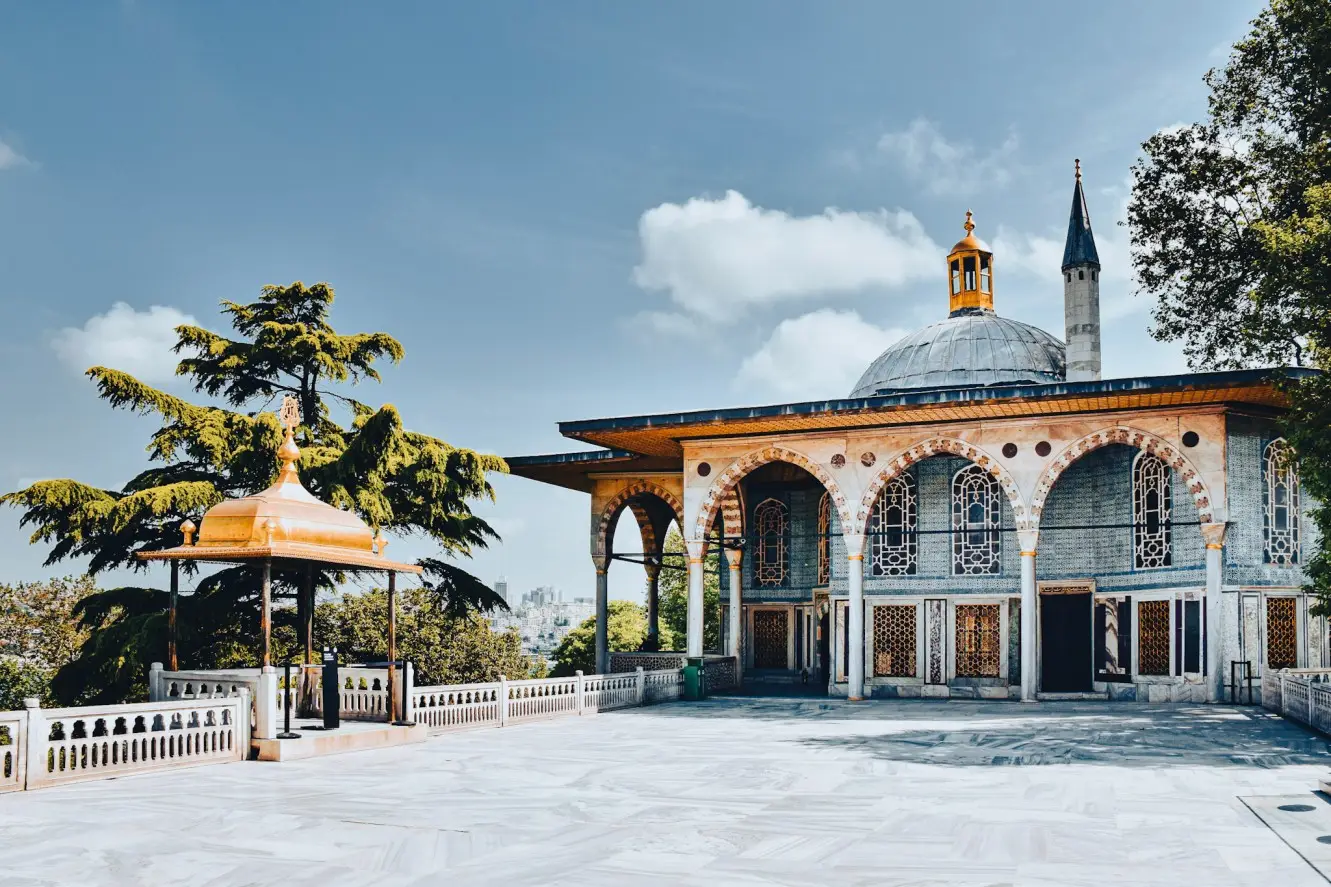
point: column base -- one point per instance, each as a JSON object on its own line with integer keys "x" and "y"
{"x": 855, "y": 698}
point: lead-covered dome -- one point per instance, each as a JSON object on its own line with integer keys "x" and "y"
{"x": 970, "y": 348}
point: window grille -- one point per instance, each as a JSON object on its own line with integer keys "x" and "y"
{"x": 894, "y": 641}
{"x": 893, "y": 544}
{"x": 976, "y": 541}
{"x": 771, "y": 633}
{"x": 825, "y": 539}
{"x": 1282, "y": 633}
{"x": 1151, "y": 506}
{"x": 1153, "y": 638}
{"x": 977, "y": 641}
{"x": 771, "y": 521}
{"x": 1280, "y": 506}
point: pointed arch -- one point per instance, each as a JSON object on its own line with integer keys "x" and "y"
{"x": 728, "y": 481}
{"x": 634, "y": 496}
{"x": 771, "y": 556}
{"x": 942, "y": 446}
{"x": 1168, "y": 453}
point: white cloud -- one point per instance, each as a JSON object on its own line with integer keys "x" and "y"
{"x": 944, "y": 167}
{"x": 719, "y": 257}
{"x": 9, "y": 158}
{"x": 137, "y": 342}
{"x": 816, "y": 356}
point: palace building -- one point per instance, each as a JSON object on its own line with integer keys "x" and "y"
{"x": 982, "y": 516}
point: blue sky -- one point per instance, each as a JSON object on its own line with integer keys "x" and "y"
{"x": 563, "y": 210}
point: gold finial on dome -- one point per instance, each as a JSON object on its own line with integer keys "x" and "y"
{"x": 187, "y": 530}
{"x": 289, "y": 453}
{"x": 970, "y": 272}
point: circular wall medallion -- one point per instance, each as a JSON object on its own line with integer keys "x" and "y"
{"x": 1009, "y": 450}
{"x": 1190, "y": 439}
{"x": 1042, "y": 448}
{"x": 868, "y": 459}
{"x": 838, "y": 461}
{"x": 704, "y": 469}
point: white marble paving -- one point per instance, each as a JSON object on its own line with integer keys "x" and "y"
{"x": 726, "y": 792}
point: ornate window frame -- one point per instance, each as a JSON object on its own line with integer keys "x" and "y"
{"x": 1152, "y": 509}
{"x": 771, "y": 531}
{"x": 825, "y": 539}
{"x": 893, "y": 543}
{"x": 1281, "y": 519}
{"x": 977, "y": 503}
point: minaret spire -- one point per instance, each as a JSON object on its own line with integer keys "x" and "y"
{"x": 1081, "y": 290}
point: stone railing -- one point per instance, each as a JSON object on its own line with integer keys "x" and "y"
{"x": 1302, "y": 695}
{"x": 13, "y": 748}
{"x": 461, "y": 706}
{"x": 720, "y": 673}
{"x": 57, "y": 746}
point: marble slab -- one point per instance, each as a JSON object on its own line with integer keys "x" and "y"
{"x": 731, "y": 791}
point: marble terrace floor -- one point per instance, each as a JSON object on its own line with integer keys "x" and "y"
{"x": 726, "y": 792}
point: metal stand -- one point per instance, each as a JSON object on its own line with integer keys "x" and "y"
{"x": 402, "y": 721}
{"x": 286, "y": 705}
{"x": 1234, "y": 679}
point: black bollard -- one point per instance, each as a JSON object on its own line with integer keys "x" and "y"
{"x": 402, "y": 712}
{"x": 332, "y": 691}
{"x": 286, "y": 704}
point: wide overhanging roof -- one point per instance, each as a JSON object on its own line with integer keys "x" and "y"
{"x": 655, "y": 442}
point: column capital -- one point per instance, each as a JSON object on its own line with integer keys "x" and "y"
{"x": 601, "y": 562}
{"x": 1029, "y": 540}
{"x": 735, "y": 557}
{"x": 854, "y": 545}
{"x": 1214, "y": 534}
{"x": 652, "y": 568}
{"x": 696, "y": 548}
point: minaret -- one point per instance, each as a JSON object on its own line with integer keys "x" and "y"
{"x": 1081, "y": 292}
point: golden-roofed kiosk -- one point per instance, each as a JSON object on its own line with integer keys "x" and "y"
{"x": 286, "y": 525}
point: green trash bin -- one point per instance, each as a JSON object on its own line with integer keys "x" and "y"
{"x": 695, "y": 679}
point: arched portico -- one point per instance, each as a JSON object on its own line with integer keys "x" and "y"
{"x": 653, "y": 508}
{"x": 1187, "y": 477}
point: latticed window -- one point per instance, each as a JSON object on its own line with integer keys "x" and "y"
{"x": 977, "y": 641}
{"x": 1151, "y": 505}
{"x": 1153, "y": 638}
{"x": 894, "y": 641}
{"x": 1282, "y": 633}
{"x": 771, "y": 524}
{"x": 825, "y": 539}
{"x": 975, "y": 522}
{"x": 893, "y": 544}
{"x": 1280, "y": 511}
{"x": 770, "y": 637}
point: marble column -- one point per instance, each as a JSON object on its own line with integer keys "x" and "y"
{"x": 653, "y": 569}
{"x": 735, "y": 558}
{"x": 695, "y": 617}
{"x": 602, "y": 563}
{"x": 855, "y": 655}
{"x": 1028, "y": 540}
{"x": 1214, "y": 535}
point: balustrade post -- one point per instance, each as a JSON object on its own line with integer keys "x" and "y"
{"x": 642, "y": 685}
{"x": 265, "y": 707}
{"x": 155, "y": 693}
{"x": 244, "y": 728}
{"x": 409, "y": 680}
{"x": 503, "y": 700}
{"x": 578, "y": 683}
{"x": 37, "y": 739}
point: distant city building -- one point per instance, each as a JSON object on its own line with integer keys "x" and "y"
{"x": 501, "y": 588}
{"x": 542, "y": 619}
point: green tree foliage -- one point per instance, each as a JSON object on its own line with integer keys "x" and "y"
{"x": 19, "y": 680}
{"x": 673, "y": 601}
{"x": 443, "y": 647}
{"x": 39, "y": 634}
{"x": 625, "y": 632}
{"x": 1231, "y": 227}
{"x": 352, "y": 455}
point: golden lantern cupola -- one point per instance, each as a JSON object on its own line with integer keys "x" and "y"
{"x": 970, "y": 274}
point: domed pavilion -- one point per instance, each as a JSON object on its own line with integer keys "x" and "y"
{"x": 983, "y": 516}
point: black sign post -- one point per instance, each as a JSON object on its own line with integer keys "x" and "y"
{"x": 332, "y": 691}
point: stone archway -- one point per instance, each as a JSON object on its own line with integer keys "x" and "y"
{"x": 1168, "y": 453}
{"x": 632, "y": 497}
{"x": 942, "y": 446}
{"x": 719, "y": 496}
